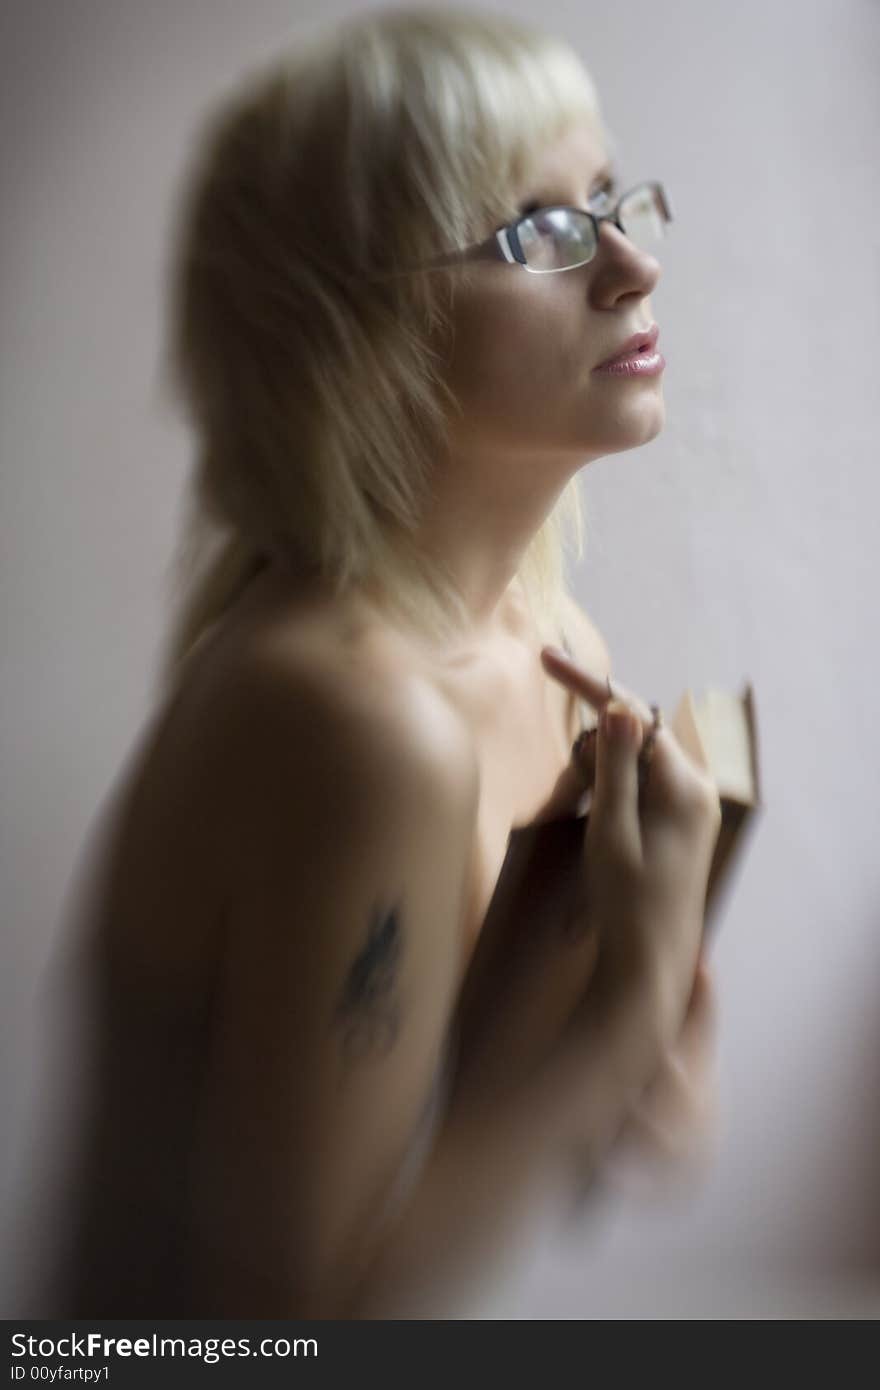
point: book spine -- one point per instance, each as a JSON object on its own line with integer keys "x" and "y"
{"x": 734, "y": 817}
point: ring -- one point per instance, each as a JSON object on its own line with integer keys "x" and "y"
{"x": 646, "y": 752}
{"x": 656, "y": 712}
{"x": 582, "y": 738}
{"x": 577, "y": 747}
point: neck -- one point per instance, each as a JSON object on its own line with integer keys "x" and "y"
{"x": 485, "y": 511}
{"x": 482, "y": 521}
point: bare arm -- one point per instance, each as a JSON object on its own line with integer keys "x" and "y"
{"x": 504, "y": 1167}
{"x": 340, "y": 979}
{"x": 348, "y": 823}
{"x": 519, "y": 1149}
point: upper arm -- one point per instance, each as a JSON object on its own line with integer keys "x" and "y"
{"x": 339, "y": 967}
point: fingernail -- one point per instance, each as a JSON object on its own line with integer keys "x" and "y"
{"x": 618, "y": 722}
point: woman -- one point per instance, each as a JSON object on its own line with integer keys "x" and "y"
{"x": 391, "y": 411}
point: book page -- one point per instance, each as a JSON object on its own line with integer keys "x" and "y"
{"x": 686, "y": 729}
{"x": 726, "y": 734}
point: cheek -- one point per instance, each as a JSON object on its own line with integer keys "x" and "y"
{"x": 512, "y": 348}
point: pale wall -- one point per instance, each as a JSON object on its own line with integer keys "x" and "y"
{"x": 742, "y": 543}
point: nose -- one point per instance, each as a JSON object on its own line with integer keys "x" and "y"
{"x": 619, "y": 267}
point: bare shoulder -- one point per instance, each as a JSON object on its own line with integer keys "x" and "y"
{"x": 587, "y": 643}
{"x": 351, "y": 800}
{"x": 311, "y": 721}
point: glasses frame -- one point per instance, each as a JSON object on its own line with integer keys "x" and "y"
{"x": 504, "y": 244}
{"x": 508, "y": 237}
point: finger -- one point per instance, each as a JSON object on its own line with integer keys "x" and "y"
{"x": 591, "y": 688}
{"x": 615, "y": 815}
{"x": 588, "y": 686}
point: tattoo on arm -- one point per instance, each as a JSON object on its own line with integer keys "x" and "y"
{"x": 367, "y": 1012}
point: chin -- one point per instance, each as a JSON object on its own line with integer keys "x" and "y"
{"x": 628, "y": 430}
{"x": 655, "y": 425}
{"x": 646, "y": 419}
{"x": 630, "y": 421}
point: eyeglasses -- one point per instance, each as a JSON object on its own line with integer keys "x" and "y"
{"x": 563, "y": 238}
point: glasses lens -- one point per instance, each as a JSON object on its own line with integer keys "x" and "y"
{"x": 643, "y": 215}
{"x": 556, "y": 239}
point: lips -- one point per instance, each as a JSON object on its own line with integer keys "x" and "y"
{"x": 641, "y": 342}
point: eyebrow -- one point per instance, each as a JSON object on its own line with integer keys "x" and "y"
{"x": 607, "y": 174}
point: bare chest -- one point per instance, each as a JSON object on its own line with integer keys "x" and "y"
{"x": 521, "y": 751}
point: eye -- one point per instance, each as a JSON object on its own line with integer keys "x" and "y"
{"x": 606, "y": 193}
{"x": 604, "y": 196}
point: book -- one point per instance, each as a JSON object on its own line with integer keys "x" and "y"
{"x": 533, "y": 906}
{"x": 720, "y": 731}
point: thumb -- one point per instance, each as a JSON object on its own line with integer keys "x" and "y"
{"x": 614, "y": 816}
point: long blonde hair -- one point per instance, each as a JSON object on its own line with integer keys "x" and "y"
{"x": 309, "y": 374}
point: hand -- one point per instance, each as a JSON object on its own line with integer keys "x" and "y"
{"x": 647, "y": 855}
{"x": 669, "y": 1135}
{"x": 544, "y": 994}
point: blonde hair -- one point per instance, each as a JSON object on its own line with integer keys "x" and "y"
{"x": 307, "y": 366}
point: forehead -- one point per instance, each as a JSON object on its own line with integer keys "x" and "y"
{"x": 581, "y": 147}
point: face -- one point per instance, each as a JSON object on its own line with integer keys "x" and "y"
{"x": 525, "y": 345}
